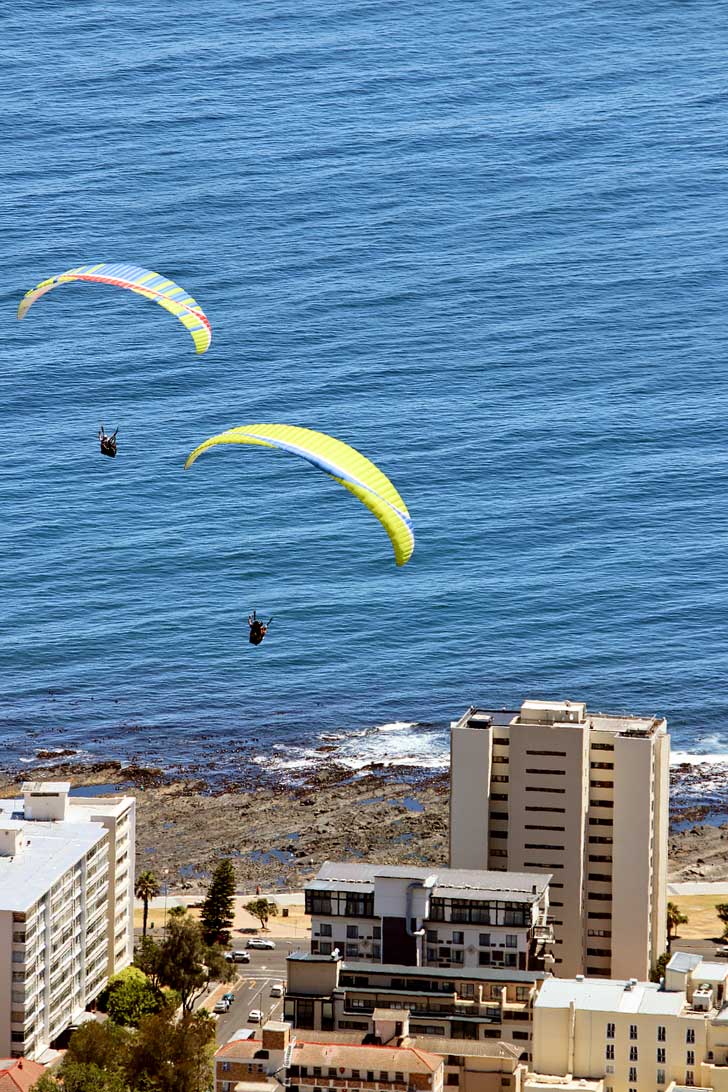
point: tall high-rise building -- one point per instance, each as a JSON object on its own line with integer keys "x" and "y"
{"x": 66, "y": 908}
{"x": 582, "y": 796}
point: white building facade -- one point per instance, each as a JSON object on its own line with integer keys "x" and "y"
{"x": 583, "y": 797}
{"x": 66, "y": 908}
{"x": 430, "y": 917}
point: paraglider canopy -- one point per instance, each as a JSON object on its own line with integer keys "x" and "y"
{"x": 142, "y": 281}
{"x": 343, "y": 463}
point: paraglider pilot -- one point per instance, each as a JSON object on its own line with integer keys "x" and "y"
{"x": 258, "y": 629}
{"x": 108, "y": 443}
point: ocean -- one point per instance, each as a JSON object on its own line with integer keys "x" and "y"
{"x": 484, "y": 244}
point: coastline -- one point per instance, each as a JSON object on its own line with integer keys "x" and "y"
{"x": 277, "y": 830}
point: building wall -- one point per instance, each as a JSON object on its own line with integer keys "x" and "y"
{"x": 632, "y": 884}
{"x": 548, "y": 792}
{"x": 579, "y": 1042}
{"x": 470, "y": 776}
{"x": 6, "y": 971}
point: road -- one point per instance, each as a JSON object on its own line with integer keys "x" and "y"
{"x": 252, "y": 990}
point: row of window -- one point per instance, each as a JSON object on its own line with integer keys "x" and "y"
{"x": 661, "y": 1033}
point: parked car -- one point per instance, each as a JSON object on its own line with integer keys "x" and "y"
{"x": 221, "y": 1006}
{"x": 237, "y": 957}
{"x": 277, "y": 989}
{"x": 722, "y": 951}
{"x": 261, "y": 942}
{"x": 255, "y": 1016}
{"x": 229, "y": 997}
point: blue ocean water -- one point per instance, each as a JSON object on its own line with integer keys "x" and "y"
{"x": 485, "y": 244}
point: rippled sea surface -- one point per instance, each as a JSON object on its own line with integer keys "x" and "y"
{"x": 485, "y": 244}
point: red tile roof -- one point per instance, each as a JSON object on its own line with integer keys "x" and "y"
{"x": 19, "y": 1074}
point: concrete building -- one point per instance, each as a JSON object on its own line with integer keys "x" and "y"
{"x": 430, "y": 917}
{"x": 637, "y": 1035}
{"x": 484, "y": 1003}
{"x": 66, "y": 908}
{"x": 583, "y": 797}
{"x": 284, "y": 1058}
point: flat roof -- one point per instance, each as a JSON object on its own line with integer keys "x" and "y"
{"x": 345, "y": 1055}
{"x": 617, "y": 723}
{"x": 51, "y": 847}
{"x": 605, "y": 995}
{"x": 708, "y": 971}
{"x": 683, "y": 961}
{"x": 444, "y": 882}
{"x": 485, "y": 974}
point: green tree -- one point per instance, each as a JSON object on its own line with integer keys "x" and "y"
{"x": 46, "y": 1083}
{"x": 146, "y": 888}
{"x": 173, "y": 1056}
{"x": 147, "y": 958}
{"x": 722, "y": 912}
{"x": 262, "y": 909}
{"x": 91, "y": 1078}
{"x": 675, "y": 917}
{"x": 218, "y": 909}
{"x": 184, "y": 962}
{"x": 103, "y": 1045}
{"x": 658, "y": 971}
{"x": 131, "y": 997}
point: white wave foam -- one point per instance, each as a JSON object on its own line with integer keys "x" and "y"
{"x": 680, "y": 758}
{"x": 396, "y": 726}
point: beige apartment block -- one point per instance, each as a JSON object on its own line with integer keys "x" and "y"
{"x": 286, "y": 1059}
{"x": 582, "y": 796}
{"x": 66, "y": 908}
{"x": 241, "y": 1064}
{"x": 637, "y": 1035}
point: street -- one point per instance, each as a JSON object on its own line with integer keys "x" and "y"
{"x": 252, "y": 988}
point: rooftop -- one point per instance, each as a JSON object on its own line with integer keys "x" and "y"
{"x": 554, "y": 712}
{"x": 603, "y": 995}
{"x": 396, "y": 970}
{"x": 19, "y": 1074}
{"x": 51, "y": 846}
{"x": 444, "y": 882}
{"x": 343, "y": 1055}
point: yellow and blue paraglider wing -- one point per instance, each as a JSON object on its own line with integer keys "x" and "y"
{"x": 142, "y": 281}
{"x": 343, "y": 463}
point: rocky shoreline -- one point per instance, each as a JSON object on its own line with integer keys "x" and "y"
{"x": 277, "y": 833}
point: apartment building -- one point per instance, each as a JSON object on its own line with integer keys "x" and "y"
{"x": 283, "y": 1058}
{"x": 580, "y": 796}
{"x": 66, "y": 908}
{"x": 324, "y": 993}
{"x": 430, "y": 917}
{"x": 468, "y": 1065}
{"x": 637, "y": 1035}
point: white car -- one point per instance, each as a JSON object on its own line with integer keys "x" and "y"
{"x": 277, "y": 989}
{"x": 255, "y": 1016}
{"x": 261, "y": 942}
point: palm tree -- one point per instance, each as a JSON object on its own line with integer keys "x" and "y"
{"x": 675, "y": 917}
{"x": 146, "y": 888}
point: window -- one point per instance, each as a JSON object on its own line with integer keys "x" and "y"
{"x": 633, "y": 1055}
{"x": 457, "y": 957}
{"x": 661, "y": 1033}
{"x": 522, "y": 993}
{"x": 352, "y": 932}
{"x": 325, "y": 929}
{"x": 544, "y": 788}
{"x": 661, "y": 1055}
{"x": 499, "y": 815}
{"x": 610, "y": 1031}
{"x": 633, "y": 1031}
{"x": 511, "y": 940}
{"x": 225, "y": 1067}
{"x": 610, "y": 1052}
{"x": 432, "y": 936}
{"x": 632, "y": 1074}
{"x": 458, "y": 938}
{"x": 324, "y": 947}
{"x": 690, "y": 1035}
{"x": 600, "y": 877}
{"x": 352, "y": 951}
{"x": 484, "y": 940}
{"x": 553, "y": 773}
{"x": 549, "y": 754}
{"x": 377, "y": 932}
{"x": 660, "y": 1076}
{"x": 690, "y": 1078}
{"x": 690, "y": 1060}
{"x": 561, "y": 811}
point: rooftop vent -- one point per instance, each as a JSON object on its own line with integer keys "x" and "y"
{"x": 580, "y": 978}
